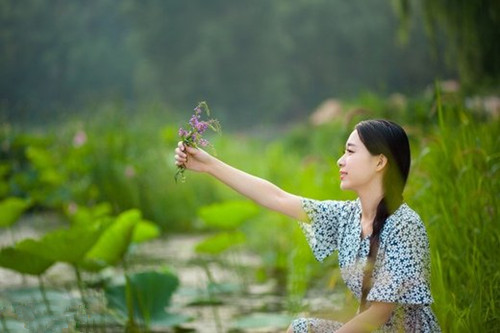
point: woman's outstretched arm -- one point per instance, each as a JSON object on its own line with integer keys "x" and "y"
{"x": 257, "y": 189}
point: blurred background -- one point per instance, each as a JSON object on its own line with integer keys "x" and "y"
{"x": 269, "y": 60}
{"x": 92, "y": 94}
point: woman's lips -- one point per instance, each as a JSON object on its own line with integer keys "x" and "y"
{"x": 342, "y": 174}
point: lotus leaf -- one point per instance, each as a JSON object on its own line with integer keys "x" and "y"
{"x": 220, "y": 242}
{"x": 11, "y": 209}
{"x": 23, "y": 262}
{"x": 113, "y": 243}
{"x": 150, "y": 294}
{"x": 228, "y": 214}
{"x": 64, "y": 245}
{"x": 145, "y": 230}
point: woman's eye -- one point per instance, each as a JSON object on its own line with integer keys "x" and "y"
{"x": 349, "y": 151}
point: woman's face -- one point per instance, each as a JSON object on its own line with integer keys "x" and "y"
{"x": 358, "y": 167}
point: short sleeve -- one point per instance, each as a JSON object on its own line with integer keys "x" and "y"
{"x": 327, "y": 221}
{"x": 403, "y": 266}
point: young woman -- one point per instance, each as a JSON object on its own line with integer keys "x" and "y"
{"x": 382, "y": 244}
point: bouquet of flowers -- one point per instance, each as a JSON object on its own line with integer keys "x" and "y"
{"x": 192, "y": 135}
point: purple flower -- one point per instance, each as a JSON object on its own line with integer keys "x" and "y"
{"x": 193, "y": 136}
{"x": 201, "y": 126}
{"x": 183, "y": 133}
{"x": 194, "y": 121}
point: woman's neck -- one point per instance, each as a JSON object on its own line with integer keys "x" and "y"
{"x": 369, "y": 200}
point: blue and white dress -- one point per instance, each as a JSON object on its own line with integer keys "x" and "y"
{"x": 402, "y": 267}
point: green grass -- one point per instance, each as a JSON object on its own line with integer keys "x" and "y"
{"x": 457, "y": 193}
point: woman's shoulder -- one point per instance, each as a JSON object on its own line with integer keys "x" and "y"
{"x": 406, "y": 221}
{"x": 330, "y": 204}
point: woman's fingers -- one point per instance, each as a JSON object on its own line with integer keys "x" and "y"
{"x": 183, "y": 152}
{"x": 179, "y": 152}
{"x": 180, "y": 155}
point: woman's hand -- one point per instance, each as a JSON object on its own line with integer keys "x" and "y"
{"x": 194, "y": 159}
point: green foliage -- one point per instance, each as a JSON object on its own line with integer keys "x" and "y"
{"x": 471, "y": 29}
{"x": 49, "y": 172}
{"x": 146, "y": 294}
{"x": 177, "y": 52}
{"x": 11, "y": 209}
{"x": 127, "y": 163}
{"x": 144, "y": 231}
{"x": 456, "y": 188}
{"x": 23, "y": 262}
{"x": 64, "y": 245}
{"x": 113, "y": 243}
{"x": 88, "y": 215}
{"x": 220, "y": 242}
{"x": 228, "y": 214}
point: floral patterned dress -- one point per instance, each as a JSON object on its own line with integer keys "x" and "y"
{"x": 402, "y": 267}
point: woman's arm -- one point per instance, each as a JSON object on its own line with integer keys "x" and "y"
{"x": 257, "y": 189}
{"x": 369, "y": 320}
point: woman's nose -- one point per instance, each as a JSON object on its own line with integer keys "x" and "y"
{"x": 340, "y": 161}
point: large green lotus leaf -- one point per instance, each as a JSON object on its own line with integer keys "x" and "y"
{"x": 220, "y": 242}
{"x": 144, "y": 231}
{"x": 23, "y": 262}
{"x": 113, "y": 243}
{"x": 64, "y": 245}
{"x": 151, "y": 292}
{"x": 228, "y": 214}
{"x": 11, "y": 209}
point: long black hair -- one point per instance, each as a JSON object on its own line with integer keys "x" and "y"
{"x": 387, "y": 138}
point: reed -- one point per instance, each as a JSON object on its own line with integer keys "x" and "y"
{"x": 457, "y": 193}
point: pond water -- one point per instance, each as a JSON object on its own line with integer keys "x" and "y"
{"x": 238, "y": 304}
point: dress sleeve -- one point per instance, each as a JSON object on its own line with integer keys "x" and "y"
{"x": 402, "y": 270}
{"x": 327, "y": 219}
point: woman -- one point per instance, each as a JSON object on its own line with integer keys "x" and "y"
{"x": 382, "y": 243}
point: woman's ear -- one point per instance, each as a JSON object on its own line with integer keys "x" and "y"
{"x": 382, "y": 162}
